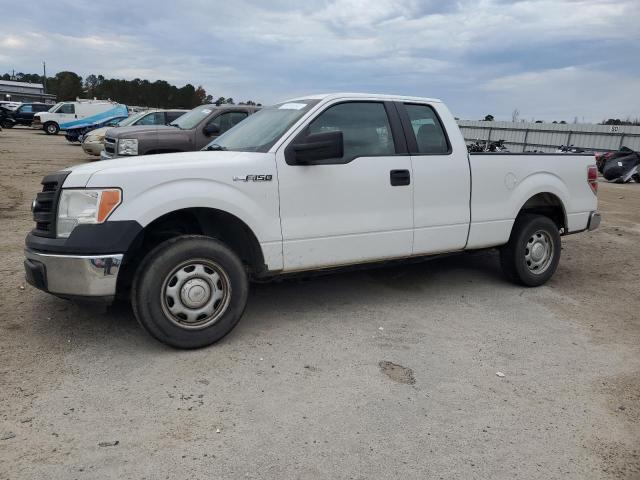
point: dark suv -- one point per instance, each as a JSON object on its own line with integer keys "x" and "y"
{"x": 23, "y": 115}
{"x": 191, "y": 132}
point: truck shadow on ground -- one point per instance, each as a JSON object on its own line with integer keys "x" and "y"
{"x": 88, "y": 324}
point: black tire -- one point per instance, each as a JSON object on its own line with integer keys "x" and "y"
{"x": 6, "y": 124}
{"x": 517, "y": 259}
{"x": 51, "y": 128}
{"x": 151, "y": 303}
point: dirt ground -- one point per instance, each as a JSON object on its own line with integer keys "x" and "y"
{"x": 385, "y": 373}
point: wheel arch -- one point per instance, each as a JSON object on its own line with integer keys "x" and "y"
{"x": 547, "y": 204}
{"x": 542, "y": 193}
{"x": 206, "y": 221}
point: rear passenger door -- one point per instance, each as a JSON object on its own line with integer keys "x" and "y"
{"x": 441, "y": 190}
{"x": 351, "y": 209}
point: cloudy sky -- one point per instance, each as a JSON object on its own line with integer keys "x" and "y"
{"x": 550, "y": 59}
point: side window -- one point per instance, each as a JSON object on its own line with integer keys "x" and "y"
{"x": 40, "y": 108}
{"x": 426, "y": 126}
{"x": 26, "y": 109}
{"x": 67, "y": 108}
{"x": 171, "y": 116}
{"x": 365, "y": 128}
{"x": 156, "y": 118}
{"x": 228, "y": 119}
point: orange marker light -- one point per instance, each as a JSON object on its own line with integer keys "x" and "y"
{"x": 109, "y": 200}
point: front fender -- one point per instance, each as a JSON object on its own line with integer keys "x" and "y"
{"x": 258, "y": 210}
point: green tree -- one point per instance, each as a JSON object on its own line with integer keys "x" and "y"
{"x": 65, "y": 85}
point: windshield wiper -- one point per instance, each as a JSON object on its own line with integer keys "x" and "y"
{"x": 215, "y": 146}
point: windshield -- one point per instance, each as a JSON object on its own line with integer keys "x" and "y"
{"x": 130, "y": 120}
{"x": 261, "y": 130}
{"x": 55, "y": 107}
{"x": 190, "y": 119}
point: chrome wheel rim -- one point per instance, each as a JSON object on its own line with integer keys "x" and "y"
{"x": 196, "y": 294}
{"x": 51, "y": 129}
{"x": 538, "y": 253}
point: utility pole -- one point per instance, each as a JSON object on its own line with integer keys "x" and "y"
{"x": 44, "y": 72}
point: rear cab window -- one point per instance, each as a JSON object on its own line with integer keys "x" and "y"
{"x": 428, "y": 131}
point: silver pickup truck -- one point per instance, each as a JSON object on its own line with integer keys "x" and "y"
{"x": 189, "y": 133}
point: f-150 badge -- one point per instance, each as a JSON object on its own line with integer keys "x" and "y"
{"x": 253, "y": 178}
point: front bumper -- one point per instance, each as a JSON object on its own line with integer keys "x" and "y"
{"x": 91, "y": 276}
{"x": 93, "y": 148}
{"x": 594, "y": 221}
{"x": 105, "y": 156}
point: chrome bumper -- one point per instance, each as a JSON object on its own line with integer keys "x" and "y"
{"x": 73, "y": 275}
{"x": 105, "y": 156}
{"x": 594, "y": 221}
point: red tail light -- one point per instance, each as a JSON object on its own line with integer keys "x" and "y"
{"x": 592, "y": 178}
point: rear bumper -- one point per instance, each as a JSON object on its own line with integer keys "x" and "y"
{"x": 90, "y": 276}
{"x": 594, "y": 221}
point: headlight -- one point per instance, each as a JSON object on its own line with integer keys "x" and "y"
{"x": 79, "y": 207}
{"x": 128, "y": 146}
{"x": 94, "y": 138}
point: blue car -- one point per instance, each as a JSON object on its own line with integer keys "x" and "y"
{"x": 77, "y": 132}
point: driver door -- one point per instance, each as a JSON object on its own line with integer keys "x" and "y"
{"x": 351, "y": 209}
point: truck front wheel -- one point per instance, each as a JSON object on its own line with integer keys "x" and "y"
{"x": 532, "y": 254}
{"x": 190, "y": 291}
{"x": 51, "y": 128}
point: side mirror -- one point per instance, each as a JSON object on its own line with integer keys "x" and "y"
{"x": 315, "y": 147}
{"x": 211, "y": 129}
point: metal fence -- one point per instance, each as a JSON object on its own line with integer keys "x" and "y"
{"x": 546, "y": 137}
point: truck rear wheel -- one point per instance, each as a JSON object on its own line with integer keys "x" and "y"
{"x": 190, "y": 291}
{"x": 51, "y": 128}
{"x": 532, "y": 254}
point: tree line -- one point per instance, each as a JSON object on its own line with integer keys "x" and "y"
{"x": 69, "y": 86}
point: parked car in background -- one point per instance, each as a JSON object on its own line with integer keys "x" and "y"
{"x": 76, "y": 133}
{"x": 93, "y": 142}
{"x": 23, "y": 114}
{"x": 10, "y": 105}
{"x": 190, "y": 132}
{"x": 314, "y": 183}
{"x": 5, "y": 116}
{"x": 65, "y": 115}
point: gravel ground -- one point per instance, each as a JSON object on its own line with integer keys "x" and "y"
{"x": 385, "y": 373}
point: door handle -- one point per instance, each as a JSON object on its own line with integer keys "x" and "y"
{"x": 399, "y": 177}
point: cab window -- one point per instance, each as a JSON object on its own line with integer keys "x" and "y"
{"x": 67, "y": 108}
{"x": 156, "y": 118}
{"x": 26, "y": 109}
{"x": 365, "y": 128}
{"x": 427, "y": 129}
{"x": 228, "y": 119}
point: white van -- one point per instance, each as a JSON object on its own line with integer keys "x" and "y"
{"x": 65, "y": 115}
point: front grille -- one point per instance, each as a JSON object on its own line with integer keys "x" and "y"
{"x": 46, "y": 205}
{"x": 110, "y": 145}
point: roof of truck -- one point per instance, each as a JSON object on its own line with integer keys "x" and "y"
{"x": 380, "y": 96}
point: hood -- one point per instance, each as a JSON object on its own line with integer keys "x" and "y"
{"x": 80, "y": 175}
{"x": 98, "y": 132}
{"x": 142, "y": 130}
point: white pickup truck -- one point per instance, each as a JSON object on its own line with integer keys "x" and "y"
{"x": 313, "y": 183}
